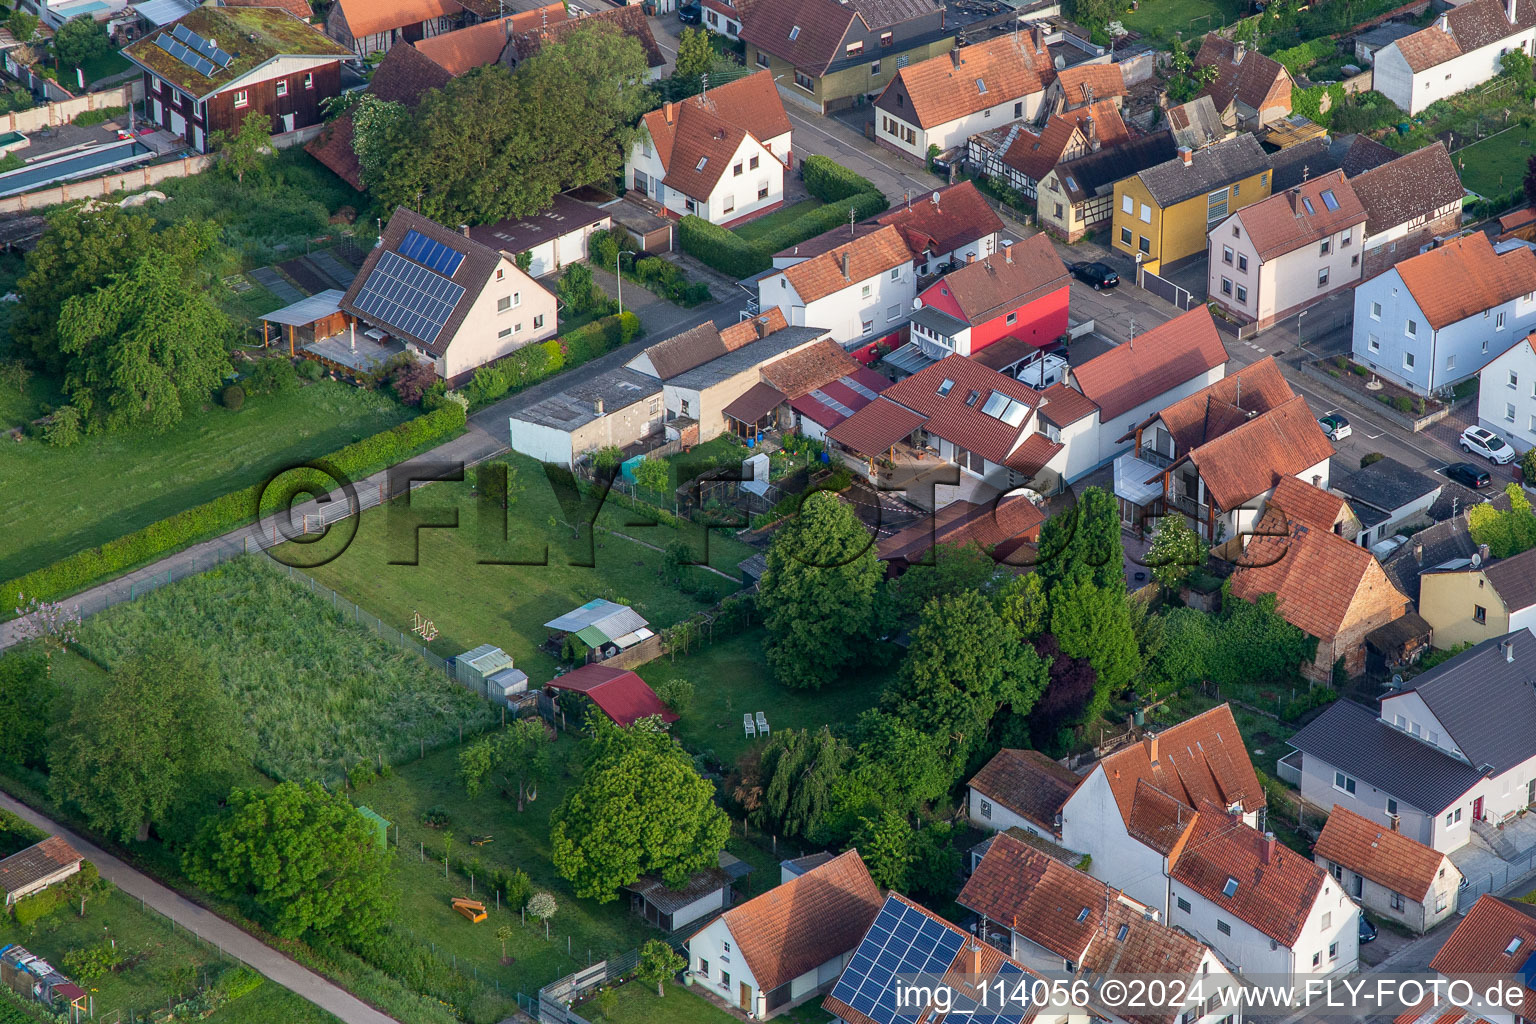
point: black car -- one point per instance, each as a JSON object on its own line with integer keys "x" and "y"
{"x": 1100, "y": 275}
{"x": 1467, "y": 475}
{"x": 690, "y": 14}
{"x": 1367, "y": 931}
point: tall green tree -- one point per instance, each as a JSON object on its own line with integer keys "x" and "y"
{"x": 80, "y": 39}
{"x": 640, "y": 808}
{"x": 963, "y": 666}
{"x": 1183, "y": 658}
{"x": 819, "y": 596}
{"x": 1505, "y": 532}
{"x": 1094, "y": 622}
{"x": 241, "y": 151}
{"x": 884, "y": 841}
{"x": 74, "y": 256}
{"x": 142, "y": 346}
{"x": 27, "y": 695}
{"x": 1176, "y": 552}
{"x": 158, "y": 738}
{"x": 694, "y": 54}
{"x": 1254, "y": 643}
{"x": 1084, "y": 540}
{"x": 800, "y": 772}
{"x": 517, "y": 756}
{"x": 1022, "y": 605}
{"x": 949, "y": 569}
{"x": 303, "y": 860}
{"x": 658, "y": 964}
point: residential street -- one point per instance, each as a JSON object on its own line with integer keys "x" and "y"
{"x": 210, "y": 927}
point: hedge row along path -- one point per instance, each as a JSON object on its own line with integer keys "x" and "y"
{"x": 210, "y": 927}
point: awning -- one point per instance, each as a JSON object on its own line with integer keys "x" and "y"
{"x": 1131, "y": 476}
{"x": 909, "y": 358}
{"x": 306, "y": 311}
{"x": 755, "y": 403}
{"x": 877, "y": 427}
{"x": 592, "y": 636}
{"x": 630, "y": 639}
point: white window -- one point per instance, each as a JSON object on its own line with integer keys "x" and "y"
{"x": 1183, "y": 905}
{"x": 505, "y": 332}
{"x": 1498, "y": 322}
{"x": 1373, "y": 343}
{"x": 1453, "y": 817}
{"x": 895, "y": 273}
{"x": 282, "y": 87}
{"x": 1322, "y": 278}
{"x": 864, "y": 292}
{"x": 1411, "y": 328}
{"x": 538, "y": 321}
{"x": 1127, "y": 204}
{"x": 986, "y": 809}
{"x": 1226, "y": 286}
{"x": 1333, "y": 951}
{"x": 1326, "y": 247}
{"x": 1242, "y": 263}
{"x": 1328, "y": 920}
{"x": 1223, "y": 927}
{"x": 1146, "y": 214}
{"x": 1226, "y": 255}
{"x": 241, "y": 98}
{"x": 892, "y": 313}
{"x": 1514, "y": 379}
{"x": 1407, "y": 360}
{"x": 1509, "y": 412}
{"x": 1450, "y": 362}
{"x": 1242, "y": 293}
{"x": 1375, "y": 311}
{"x": 1343, "y": 782}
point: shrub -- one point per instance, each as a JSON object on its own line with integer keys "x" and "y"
{"x": 830, "y": 181}
{"x": 676, "y": 694}
{"x": 1528, "y": 465}
{"x": 272, "y": 376}
{"x": 310, "y": 370}
{"x": 355, "y": 461}
{"x": 1369, "y": 458}
{"x": 436, "y": 817}
{"x": 92, "y": 962}
{"x": 1313, "y": 698}
{"x": 63, "y": 428}
{"x": 731, "y": 254}
{"x": 412, "y": 381}
{"x": 1358, "y": 370}
{"x": 232, "y": 398}
{"x": 1298, "y": 58}
{"x": 87, "y": 118}
{"x": 238, "y": 982}
{"x": 533, "y": 363}
{"x": 718, "y": 248}
{"x": 1402, "y": 403}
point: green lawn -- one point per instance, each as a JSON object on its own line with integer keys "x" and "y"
{"x": 110, "y": 63}
{"x": 474, "y": 603}
{"x": 113, "y": 484}
{"x": 1191, "y": 17}
{"x": 730, "y": 679}
{"x": 272, "y": 1004}
{"x": 639, "y": 1004}
{"x": 1497, "y": 165}
{"x": 760, "y": 226}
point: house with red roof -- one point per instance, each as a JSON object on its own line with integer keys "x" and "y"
{"x": 860, "y": 291}
{"x": 1282, "y": 254}
{"x": 1020, "y": 155}
{"x": 720, "y": 155}
{"x": 618, "y": 693}
{"x": 1250, "y": 90}
{"x": 1497, "y": 937}
{"x": 1391, "y": 874}
{"x": 367, "y": 26}
{"x": 788, "y": 945}
{"x": 1021, "y": 789}
{"x": 1020, "y": 292}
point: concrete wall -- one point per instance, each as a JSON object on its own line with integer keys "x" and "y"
{"x": 997, "y": 817}
{"x": 1417, "y": 911}
{"x": 727, "y": 971}
{"x": 844, "y": 312}
{"x": 1413, "y": 92}
{"x": 65, "y": 111}
{"x": 619, "y": 427}
{"x": 1319, "y": 787}
{"x": 1509, "y": 407}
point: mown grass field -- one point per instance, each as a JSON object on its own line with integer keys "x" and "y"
{"x": 1193, "y": 18}
{"x": 112, "y": 484}
{"x": 460, "y": 580}
{"x": 760, "y": 226}
{"x": 319, "y": 693}
{"x": 1496, "y": 165}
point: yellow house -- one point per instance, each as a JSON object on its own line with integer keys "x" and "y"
{"x": 1469, "y": 604}
{"x": 1165, "y": 211}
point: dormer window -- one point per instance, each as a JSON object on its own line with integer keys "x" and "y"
{"x": 1230, "y": 889}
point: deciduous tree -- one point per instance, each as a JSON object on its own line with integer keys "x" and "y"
{"x": 948, "y": 569}
{"x": 694, "y": 54}
{"x": 303, "y": 859}
{"x": 1176, "y": 552}
{"x": 241, "y": 151}
{"x": 517, "y": 755}
{"x": 653, "y": 474}
{"x": 1505, "y": 533}
{"x": 659, "y": 962}
{"x": 27, "y": 696}
{"x": 799, "y": 771}
{"x": 542, "y": 906}
{"x": 884, "y": 841}
{"x": 1094, "y": 622}
{"x": 80, "y": 39}
{"x": 640, "y": 808}
{"x": 819, "y": 594}
{"x": 1084, "y": 540}
{"x": 158, "y": 737}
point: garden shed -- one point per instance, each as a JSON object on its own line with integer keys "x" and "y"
{"x": 605, "y": 627}
{"x": 34, "y": 978}
{"x": 37, "y": 867}
{"x": 379, "y": 822}
{"x": 621, "y": 695}
{"x": 472, "y": 668}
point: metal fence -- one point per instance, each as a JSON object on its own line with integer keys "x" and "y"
{"x": 1496, "y": 881}
{"x": 203, "y": 977}
{"x": 553, "y": 1003}
{"x": 1164, "y": 288}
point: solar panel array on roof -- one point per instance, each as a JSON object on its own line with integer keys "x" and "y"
{"x": 430, "y": 253}
{"x": 205, "y": 47}
{"x": 197, "y": 62}
{"x": 409, "y": 297}
{"x": 903, "y": 940}
{"x": 1005, "y": 999}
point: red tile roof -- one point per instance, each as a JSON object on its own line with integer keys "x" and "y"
{"x": 842, "y": 391}
{"x": 1411, "y": 186}
{"x": 867, "y": 256}
{"x": 1301, "y": 216}
{"x": 1027, "y": 783}
{"x": 1158, "y": 820}
{"x": 1201, "y": 758}
{"x": 1276, "y": 886}
{"x": 950, "y": 86}
{"x": 1250, "y": 459}
{"x": 1229, "y": 402}
{"x": 1168, "y": 355}
{"x": 747, "y": 106}
{"x": 1373, "y": 851}
{"x": 1033, "y": 155}
{"x": 1007, "y": 279}
{"x": 630, "y": 20}
{"x": 874, "y": 429}
{"x": 950, "y": 417}
{"x": 1479, "y": 943}
{"x": 374, "y": 17}
{"x": 1038, "y": 897}
{"x": 1031, "y": 456}
{"x": 621, "y": 695}
{"x": 479, "y": 45}
{"x": 810, "y": 368}
{"x": 1311, "y": 506}
{"x": 801, "y": 924}
{"x": 1464, "y": 276}
{"x": 1062, "y": 404}
{"x": 961, "y": 215}
{"x": 1321, "y": 581}
{"x": 695, "y": 147}
{"x": 1149, "y": 947}
{"x": 1253, "y": 79}
{"x": 1001, "y": 528}
{"x": 1088, "y": 83}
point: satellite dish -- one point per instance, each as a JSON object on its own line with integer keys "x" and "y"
{"x": 1397, "y": 681}
{"x": 935, "y": 198}
{"x": 1477, "y": 560}
{"x": 917, "y": 303}
{"x": 1061, "y": 63}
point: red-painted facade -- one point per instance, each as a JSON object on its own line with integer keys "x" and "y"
{"x": 1038, "y": 322}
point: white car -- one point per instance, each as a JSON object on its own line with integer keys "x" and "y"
{"x": 1489, "y": 445}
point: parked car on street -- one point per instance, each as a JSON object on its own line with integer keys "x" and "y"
{"x": 1489, "y": 445}
{"x": 1467, "y": 475}
{"x": 1367, "y": 931}
{"x": 1100, "y": 275}
{"x": 1336, "y": 427}
{"x": 690, "y": 14}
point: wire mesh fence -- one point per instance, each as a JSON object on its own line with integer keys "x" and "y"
{"x": 199, "y": 978}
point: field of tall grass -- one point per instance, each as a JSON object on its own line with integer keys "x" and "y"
{"x": 320, "y": 693}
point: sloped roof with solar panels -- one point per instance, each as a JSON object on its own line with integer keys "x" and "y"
{"x": 420, "y": 282}
{"x": 213, "y": 47}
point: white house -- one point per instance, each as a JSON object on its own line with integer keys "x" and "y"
{"x": 553, "y": 239}
{"x": 446, "y": 299}
{"x": 1438, "y": 318}
{"x": 1387, "y": 872}
{"x": 1452, "y": 751}
{"x": 778, "y": 950}
{"x": 720, "y": 155}
{"x": 1462, "y": 49}
{"x": 1284, "y": 253}
{"x": 1266, "y": 909}
{"x": 1131, "y": 811}
{"x": 860, "y": 291}
{"x": 1506, "y": 395}
{"x": 1054, "y": 918}
{"x": 1409, "y": 202}
{"x": 944, "y": 100}
{"x": 1020, "y": 789}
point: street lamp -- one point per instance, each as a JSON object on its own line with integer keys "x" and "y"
{"x": 620, "y": 274}
{"x": 1299, "y": 342}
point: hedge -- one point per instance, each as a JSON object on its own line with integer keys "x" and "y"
{"x": 1308, "y": 102}
{"x": 225, "y": 513}
{"x": 1298, "y": 58}
{"x": 534, "y": 363}
{"x": 731, "y": 254}
{"x": 830, "y": 181}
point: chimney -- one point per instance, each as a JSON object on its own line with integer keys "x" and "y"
{"x": 1187, "y": 155}
{"x": 1509, "y": 651}
{"x": 1418, "y": 552}
{"x": 1268, "y": 854}
{"x": 1150, "y": 743}
{"x": 666, "y": 112}
{"x": 1091, "y": 130}
{"x": 843, "y": 259}
{"x": 1317, "y": 480}
{"x": 1396, "y": 823}
{"x": 464, "y": 230}
{"x": 1039, "y": 34}
{"x": 1008, "y": 254}
{"x": 954, "y": 57}
{"x": 970, "y": 257}
{"x": 597, "y": 406}
{"x": 975, "y": 957}
{"x": 1239, "y": 51}
{"x": 761, "y": 326}
{"x": 1509, "y": 10}
{"x": 1444, "y": 24}
{"x": 1482, "y": 552}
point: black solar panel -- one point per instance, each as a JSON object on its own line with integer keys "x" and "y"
{"x": 408, "y": 297}
{"x": 205, "y": 47}
{"x": 191, "y": 58}
{"x": 433, "y": 255}
{"x": 902, "y": 940}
